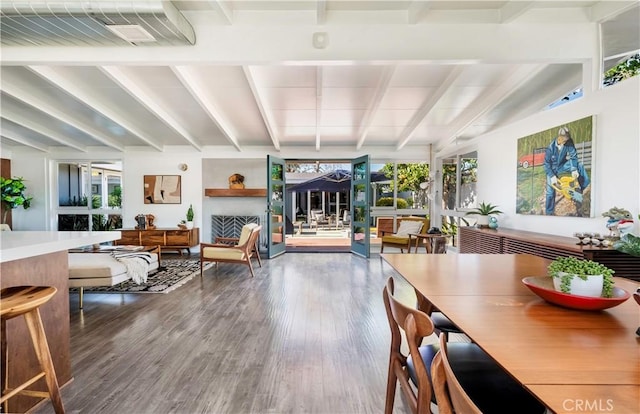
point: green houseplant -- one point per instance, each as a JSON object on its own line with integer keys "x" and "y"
{"x": 13, "y": 195}
{"x": 581, "y": 277}
{"x": 483, "y": 211}
{"x": 190, "y": 217}
{"x": 628, "y": 244}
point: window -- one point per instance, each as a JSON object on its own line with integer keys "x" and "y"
{"x": 404, "y": 186}
{"x": 89, "y": 195}
{"x": 458, "y": 183}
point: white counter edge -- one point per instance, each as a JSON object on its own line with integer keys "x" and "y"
{"x": 15, "y": 245}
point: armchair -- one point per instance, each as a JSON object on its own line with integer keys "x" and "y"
{"x": 233, "y": 250}
{"x": 318, "y": 219}
{"x": 400, "y": 238}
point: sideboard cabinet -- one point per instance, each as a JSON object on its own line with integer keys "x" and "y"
{"x": 488, "y": 241}
{"x": 167, "y": 239}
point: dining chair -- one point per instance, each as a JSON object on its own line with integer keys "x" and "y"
{"x": 412, "y": 370}
{"x": 442, "y": 324}
{"x": 467, "y": 380}
{"x": 242, "y": 252}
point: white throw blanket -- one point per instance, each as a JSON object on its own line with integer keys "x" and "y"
{"x": 137, "y": 264}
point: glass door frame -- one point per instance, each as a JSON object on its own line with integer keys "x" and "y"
{"x": 360, "y": 206}
{"x": 275, "y": 211}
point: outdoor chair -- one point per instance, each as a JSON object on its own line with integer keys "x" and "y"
{"x": 344, "y": 219}
{"x": 400, "y": 238}
{"x": 242, "y": 252}
{"x": 411, "y": 370}
{"x": 318, "y": 219}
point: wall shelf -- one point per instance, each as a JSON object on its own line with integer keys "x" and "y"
{"x": 229, "y": 192}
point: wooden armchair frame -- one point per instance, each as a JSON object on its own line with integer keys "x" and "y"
{"x": 391, "y": 240}
{"x": 223, "y": 251}
{"x": 233, "y": 242}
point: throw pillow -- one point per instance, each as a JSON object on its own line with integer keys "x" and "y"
{"x": 409, "y": 226}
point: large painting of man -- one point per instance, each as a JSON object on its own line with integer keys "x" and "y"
{"x": 554, "y": 170}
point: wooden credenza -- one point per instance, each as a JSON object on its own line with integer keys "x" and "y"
{"x": 167, "y": 239}
{"x": 509, "y": 241}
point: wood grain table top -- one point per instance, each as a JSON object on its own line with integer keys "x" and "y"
{"x": 559, "y": 354}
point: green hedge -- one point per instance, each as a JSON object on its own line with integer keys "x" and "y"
{"x": 388, "y": 202}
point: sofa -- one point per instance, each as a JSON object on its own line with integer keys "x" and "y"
{"x": 99, "y": 269}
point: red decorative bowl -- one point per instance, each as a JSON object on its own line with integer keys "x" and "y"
{"x": 543, "y": 287}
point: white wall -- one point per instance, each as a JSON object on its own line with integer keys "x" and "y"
{"x": 34, "y": 169}
{"x": 215, "y": 174}
{"x": 138, "y": 164}
{"x": 616, "y": 171}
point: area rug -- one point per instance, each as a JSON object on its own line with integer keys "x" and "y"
{"x": 172, "y": 274}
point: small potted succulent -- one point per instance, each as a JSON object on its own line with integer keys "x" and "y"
{"x": 483, "y": 212}
{"x": 581, "y": 277}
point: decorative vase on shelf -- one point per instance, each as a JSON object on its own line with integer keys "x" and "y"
{"x": 493, "y": 223}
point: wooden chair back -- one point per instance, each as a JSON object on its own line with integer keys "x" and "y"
{"x": 450, "y": 395}
{"x": 416, "y": 325}
{"x": 425, "y": 222}
{"x": 245, "y": 233}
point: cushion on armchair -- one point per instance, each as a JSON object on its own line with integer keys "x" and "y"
{"x": 408, "y": 226}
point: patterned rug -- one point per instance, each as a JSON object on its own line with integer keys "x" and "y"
{"x": 172, "y": 274}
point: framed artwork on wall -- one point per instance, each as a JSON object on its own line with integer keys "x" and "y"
{"x": 554, "y": 170}
{"x": 162, "y": 189}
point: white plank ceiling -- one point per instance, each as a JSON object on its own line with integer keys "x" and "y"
{"x": 391, "y": 74}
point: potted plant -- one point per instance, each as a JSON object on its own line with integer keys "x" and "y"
{"x": 483, "y": 211}
{"x": 190, "y": 217}
{"x": 581, "y": 277}
{"x": 13, "y": 195}
{"x": 628, "y": 244}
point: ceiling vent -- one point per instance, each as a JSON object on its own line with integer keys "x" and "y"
{"x": 87, "y": 23}
{"x": 132, "y": 33}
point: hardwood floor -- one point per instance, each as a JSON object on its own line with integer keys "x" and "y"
{"x": 308, "y": 334}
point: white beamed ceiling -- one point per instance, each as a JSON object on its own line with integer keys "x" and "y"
{"x": 394, "y": 75}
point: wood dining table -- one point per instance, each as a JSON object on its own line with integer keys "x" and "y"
{"x": 574, "y": 361}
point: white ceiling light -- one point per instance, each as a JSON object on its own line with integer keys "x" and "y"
{"x": 320, "y": 40}
{"x": 132, "y": 33}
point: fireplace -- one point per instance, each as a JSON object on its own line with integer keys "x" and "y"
{"x": 231, "y": 226}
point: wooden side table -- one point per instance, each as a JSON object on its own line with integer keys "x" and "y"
{"x": 430, "y": 241}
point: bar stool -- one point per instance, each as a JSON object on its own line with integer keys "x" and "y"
{"x": 26, "y": 300}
